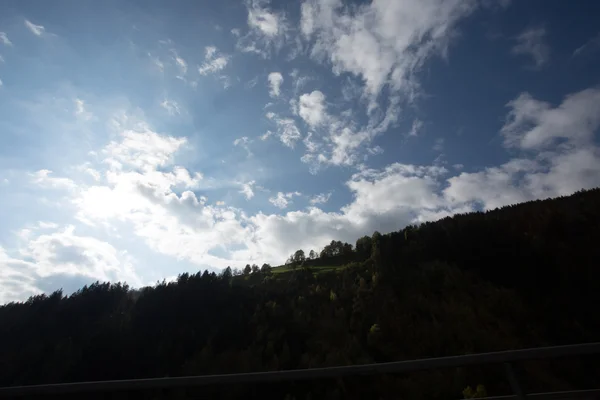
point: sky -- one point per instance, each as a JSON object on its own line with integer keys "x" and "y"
{"x": 143, "y": 139}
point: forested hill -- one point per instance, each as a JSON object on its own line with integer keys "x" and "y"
{"x": 521, "y": 276}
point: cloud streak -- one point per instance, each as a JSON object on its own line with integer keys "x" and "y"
{"x": 37, "y": 30}
{"x": 531, "y": 42}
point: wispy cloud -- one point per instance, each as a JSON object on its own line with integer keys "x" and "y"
{"x": 4, "y": 39}
{"x": 181, "y": 63}
{"x": 532, "y": 42}
{"x": 171, "y": 106}
{"x": 244, "y": 142}
{"x": 321, "y": 198}
{"x": 213, "y": 61}
{"x": 589, "y": 47}
{"x": 287, "y": 131}
{"x": 275, "y": 81}
{"x": 416, "y": 127}
{"x": 37, "y": 30}
{"x": 267, "y": 29}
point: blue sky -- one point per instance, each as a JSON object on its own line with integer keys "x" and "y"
{"x": 142, "y": 139}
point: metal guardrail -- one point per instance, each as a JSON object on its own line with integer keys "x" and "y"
{"x": 501, "y": 357}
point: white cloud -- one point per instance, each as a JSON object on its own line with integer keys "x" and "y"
{"x": 81, "y": 111}
{"x": 267, "y": 29}
{"x": 438, "y": 145}
{"x": 560, "y": 155}
{"x": 213, "y": 66}
{"x": 416, "y": 127}
{"x": 4, "y": 39}
{"x": 385, "y": 42}
{"x": 144, "y": 190}
{"x": 157, "y": 62}
{"x": 262, "y": 19}
{"x": 589, "y": 47}
{"x": 247, "y": 189}
{"x": 287, "y": 131}
{"x": 213, "y": 61}
{"x": 275, "y": 81}
{"x": 312, "y": 108}
{"x": 63, "y": 252}
{"x": 531, "y": 42}
{"x": 37, "y": 30}
{"x": 144, "y": 149}
{"x": 321, "y": 198}
{"x": 244, "y": 142}
{"x": 60, "y": 253}
{"x": 16, "y": 279}
{"x": 283, "y": 200}
{"x": 43, "y": 179}
{"x": 534, "y": 124}
{"x": 171, "y": 106}
{"x": 181, "y": 63}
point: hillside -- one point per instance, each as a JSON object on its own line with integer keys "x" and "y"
{"x": 521, "y": 276}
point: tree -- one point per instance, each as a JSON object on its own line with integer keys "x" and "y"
{"x": 299, "y": 256}
{"x": 255, "y": 269}
{"x": 363, "y": 247}
{"x": 266, "y": 269}
{"x": 247, "y": 269}
{"x": 312, "y": 255}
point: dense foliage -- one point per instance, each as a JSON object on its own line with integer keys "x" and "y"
{"x": 521, "y": 276}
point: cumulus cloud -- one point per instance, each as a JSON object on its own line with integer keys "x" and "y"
{"x": 142, "y": 148}
{"x": 275, "y": 81}
{"x": 213, "y": 61}
{"x": 63, "y": 253}
{"x": 531, "y": 42}
{"x": 247, "y": 189}
{"x": 262, "y": 19}
{"x": 283, "y": 200}
{"x": 37, "y": 30}
{"x": 560, "y": 154}
{"x": 311, "y": 107}
{"x": 535, "y": 124}
{"x": 384, "y": 45}
{"x": 144, "y": 189}
{"x": 384, "y": 42}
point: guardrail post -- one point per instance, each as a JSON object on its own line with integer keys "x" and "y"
{"x": 514, "y": 383}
